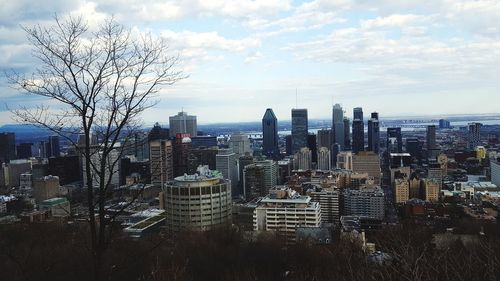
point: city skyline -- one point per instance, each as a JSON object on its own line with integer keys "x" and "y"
{"x": 246, "y": 56}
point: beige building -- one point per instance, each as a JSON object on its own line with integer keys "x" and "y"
{"x": 198, "y": 202}
{"x": 324, "y": 162}
{"x": 432, "y": 189}
{"x": 401, "y": 190}
{"x": 45, "y": 188}
{"x": 303, "y": 159}
{"x": 161, "y": 161}
{"x": 415, "y": 184}
{"x": 344, "y": 160}
{"x": 367, "y": 162}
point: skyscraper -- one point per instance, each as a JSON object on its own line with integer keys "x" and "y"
{"x": 160, "y": 156}
{"x": 374, "y": 133}
{"x": 338, "y": 125}
{"x": 303, "y": 159}
{"x": 358, "y": 131}
{"x": 53, "y": 149}
{"x": 394, "y": 140}
{"x": 324, "y": 162}
{"x": 270, "y": 134}
{"x": 7, "y": 147}
{"x": 474, "y": 135}
{"x": 299, "y": 129}
{"x": 183, "y": 123}
{"x": 227, "y": 164}
{"x": 347, "y": 134}
{"x": 324, "y": 138}
{"x": 240, "y": 144}
{"x": 431, "y": 137}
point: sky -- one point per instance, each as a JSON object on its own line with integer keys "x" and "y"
{"x": 400, "y": 58}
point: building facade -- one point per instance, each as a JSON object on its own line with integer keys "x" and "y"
{"x": 299, "y": 129}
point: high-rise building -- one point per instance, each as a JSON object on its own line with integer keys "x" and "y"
{"x": 495, "y": 172}
{"x": 324, "y": 161}
{"x": 161, "y": 161}
{"x": 474, "y": 135}
{"x": 329, "y": 201}
{"x": 303, "y": 159}
{"x": 202, "y": 156}
{"x": 324, "y": 138}
{"x": 270, "y": 134}
{"x": 7, "y": 147}
{"x": 415, "y": 147}
{"x": 227, "y": 164}
{"x": 198, "y": 202}
{"x": 67, "y": 168}
{"x": 347, "y": 134}
{"x": 299, "y": 129}
{"x": 283, "y": 210}
{"x": 431, "y": 137}
{"x": 444, "y": 124}
{"x": 53, "y": 149}
{"x": 366, "y": 202}
{"x": 240, "y": 144}
{"x": 288, "y": 145}
{"x": 431, "y": 190}
{"x": 401, "y": 185}
{"x": 312, "y": 145}
{"x": 374, "y": 133}
{"x": 338, "y": 125}
{"x": 394, "y": 140}
{"x": 367, "y": 162}
{"x": 183, "y": 123}
{"x": 358, "y": 131}
{"x": 111, "y": 170}
{"x": 344, "y": 160}
{"x": 24, "y": 150}
{"x": 180, "y": 154}
{"x": 130, "y": 167}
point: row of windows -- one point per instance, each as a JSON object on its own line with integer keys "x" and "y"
{"x": 203, "y": 190}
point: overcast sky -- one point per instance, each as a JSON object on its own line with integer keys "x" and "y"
{"x": 396, "y": 57}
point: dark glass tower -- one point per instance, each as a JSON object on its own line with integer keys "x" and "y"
{"x": 394, "y": 140}
{"x": 431, "y": 137}
{"x": 347, "y": 134}
{"x": 374, "y": 133}
{"x": 270, "y": 134}
{"x": 7, "y": 147}
{"x": 299, "y": 129}
{"x": 358, "y": 131}
{"x": 53, "y": 149}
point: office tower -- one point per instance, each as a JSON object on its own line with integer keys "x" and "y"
{"x": 329, "y": 201}
{"x": 198, "y": 202}
{"x": 180, "y": 153}
{"x": 10, "y": 173}
{"x": 288, "y": 145}
{"x": 495, "y": 172}
{"x": 183, "y": 123}
{"x": 111, "y": 170}
{"x": 338, "y": 125}
{"x": 137, "y": 145}
{"x": 253, "y": 181}
{"x": 324, "y": 161}
{"x": 347, "y": 134}
{"x": 285, "y": 168}
{"x": 431, "y": 137}
{"x": 302, "y": 160}
{"x": 203, "y": 141}
{"x": 374, "y": 133}
{"x": 344, "y": 160}
{"x": 357, "y": 113}
{"x": 367, "y": 162}
{"x": 270, "y": 134}
{"x": 312, "y": 145}
{"x": 227, "y": 163}
{"x": 394, "y": 140}
{"x": 414, "y": 187}
{"x": 259, "y": 178}
{"x": 358, "y": 131}
{"x": 444, "y": 124}
{"x": 324, "y": 138}
{"x": 243, "y": 161}
{"x": 7, "y": 147}
{"x": 45, "y": 188}
{"x": 283, "y": 210}
{"x": 240, "y": 144}
{"x": 334, "y": 151}
{"x": 24, "y": 150}
{"x": 415, "y": 148}
{"x": 474, "y": 135}
{"x": 299, "y": 129}
{"x": 53, "y": 149}
{"x": 431, "y": 190}
{"x": 67, "y": 168}
{"x": 365, "y": 202}
{"x": 202, "y": 156}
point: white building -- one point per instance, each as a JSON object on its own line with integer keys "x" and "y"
{"x": 303, "y": 159}
{"x": 226, "y": 162}
{"x": 344, "y": 160}
{"x": 495, "y": 173}
{"x": 198, "y": 202}
{"x": 111, "y": 171}
{"x": 183, "y": 123}
{"x": 283, "y": 210}
{"x": 240, "y": 144}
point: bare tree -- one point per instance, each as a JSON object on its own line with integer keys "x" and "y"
{"x": 97, "y": 82}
